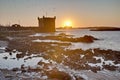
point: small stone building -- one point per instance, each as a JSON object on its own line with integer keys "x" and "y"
{"x": 47, "y": 24}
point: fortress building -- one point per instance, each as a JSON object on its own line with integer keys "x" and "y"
{"x": 47, "y": 24}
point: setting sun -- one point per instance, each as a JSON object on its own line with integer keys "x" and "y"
{"x": 67, "y": 24}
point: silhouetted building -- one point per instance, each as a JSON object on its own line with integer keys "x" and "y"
{"x": 47, "y": 24}
{"x": 16, "y": 25}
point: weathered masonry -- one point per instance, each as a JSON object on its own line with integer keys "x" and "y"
{"x": 47, "y": 24}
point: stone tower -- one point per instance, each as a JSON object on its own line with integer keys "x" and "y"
{"x": 47, "y": 24}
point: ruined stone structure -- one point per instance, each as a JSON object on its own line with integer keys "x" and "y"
{"x": 46, "y": 24}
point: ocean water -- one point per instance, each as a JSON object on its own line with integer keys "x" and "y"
{"x": 108, "y": 39}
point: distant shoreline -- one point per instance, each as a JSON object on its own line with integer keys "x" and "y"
{"x": 105, "y": 29}
{"x": 96, "y": 28}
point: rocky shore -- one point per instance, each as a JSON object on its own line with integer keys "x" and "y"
{"x": 56, "y": 61}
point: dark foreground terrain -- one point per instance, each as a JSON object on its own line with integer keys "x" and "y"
{"x": 57, "y": 61}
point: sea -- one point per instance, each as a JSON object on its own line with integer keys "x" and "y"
{"x": 108, "y": 39}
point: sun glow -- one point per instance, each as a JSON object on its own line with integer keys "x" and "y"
{"x": 67, "y": 24}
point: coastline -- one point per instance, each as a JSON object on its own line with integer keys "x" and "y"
{"x": 55, "y": 59}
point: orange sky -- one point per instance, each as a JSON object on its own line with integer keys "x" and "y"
{"x": 79, "y": 12}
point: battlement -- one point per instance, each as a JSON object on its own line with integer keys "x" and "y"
{"x": 47, "y": 24}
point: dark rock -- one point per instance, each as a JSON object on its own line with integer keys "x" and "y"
{"x": 95, "y": 69}
{"x": 59, "y": 75}
{"x": 10, "y": 53}
{"x": 109, "y": 67}
{"x": 5, "y": 57}
{"x": 117, "y": 62}
{"x": 63, "y": 37}
{"x": 19, "y": 55}
{"x": 23, "y": 68}
{"x": 34, "y": 69}
{"x": 28, "y": 58}
{"x": 8, "y": 50}
{"x": 62, "y": 34}
{"x": 40, "y": 63}
{"x": 15, "y": 69}
{"x": 12, "y": 58}
{"x": 79, "y": 78}
{"x": 9, "y": 77}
